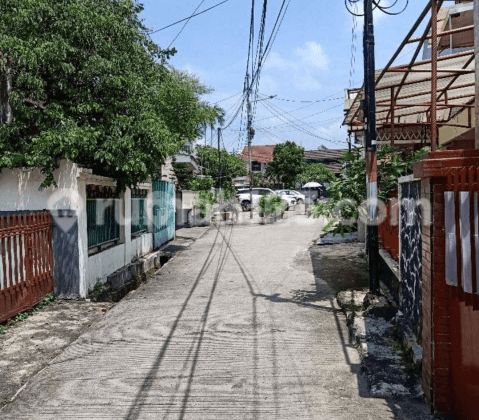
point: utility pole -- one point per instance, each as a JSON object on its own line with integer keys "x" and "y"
{"x": 219, "y": 158}
{"x": 250, "y": 132}
{"x": 203, "y": 163}
{"x": 371, "y": 155}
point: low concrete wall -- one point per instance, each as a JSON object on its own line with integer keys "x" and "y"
{"x": 75, "y": 270}
{"x": 185, "y": 201}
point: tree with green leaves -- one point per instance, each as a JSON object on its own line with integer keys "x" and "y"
{"x": 316, "y": 172}
{"x": 89, "y": 84}
{"x": 231, "y": 166}
{"x": 259, "y": 180}
{"x": 349, "y": 190}
{"x": 288, "y": 163}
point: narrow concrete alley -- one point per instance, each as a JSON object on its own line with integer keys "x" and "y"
{"x": 236, "y": 326}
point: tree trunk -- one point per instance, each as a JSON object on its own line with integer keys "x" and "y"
{"x": 5, "y": 92}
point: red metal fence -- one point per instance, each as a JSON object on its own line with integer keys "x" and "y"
{"x": 388, "y": 230}
{"x": 461, "y": 224}
{"x": 462, "y": 234}
{"x": 26, "y": 262}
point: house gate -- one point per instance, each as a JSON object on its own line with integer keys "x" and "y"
{"x": 163, "y": 212}
{"x": 462, "y": 277}
{"x": 26, "y": 262}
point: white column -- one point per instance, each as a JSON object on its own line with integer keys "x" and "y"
{"x": 127, "y": 225}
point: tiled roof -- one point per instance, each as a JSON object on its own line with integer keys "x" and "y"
{"x": 335, "y": 168}
{"x": 259, "y": 153}
{"x": 320, "y": 154}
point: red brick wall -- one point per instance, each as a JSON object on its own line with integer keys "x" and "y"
{"x": 426, "y": 297}
{"x": 436, "y": 339}
{"x": 441, "y": 340}
{"x": 437, "y": 364}
{"x": 459, "y": 144}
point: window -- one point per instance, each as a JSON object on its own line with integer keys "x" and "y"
{"x": 262, "y": 192}
{"x": 256, "y": 166}
{"x": 103, "y": 214}
{"x": 139, "y": 222}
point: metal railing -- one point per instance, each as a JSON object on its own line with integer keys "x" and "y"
{"x": 102, "y": 221}
{"x": 26, "y": 262}
{"x": 139, "y": 221}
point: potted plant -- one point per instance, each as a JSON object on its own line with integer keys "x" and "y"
{"x": 276, "y": 205}
{"x": 263, "y": 205}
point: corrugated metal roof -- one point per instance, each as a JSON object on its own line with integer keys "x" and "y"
{"x": 412, "y": 104}
{"x": 333, "y": 155}
{"x": 324, "y": 154}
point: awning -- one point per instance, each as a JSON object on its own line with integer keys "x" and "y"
{"x": 456, "y": 91}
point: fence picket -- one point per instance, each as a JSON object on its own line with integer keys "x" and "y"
{"x": 8, "y": 249}
{"x": 464, "y": 228}
{"x": 15, "y": 278}
{"x": 26, "y": 262}
{"x": 20, "y": 250}
{"x": 3, "y": 253}
{"x": 43, "y": 265}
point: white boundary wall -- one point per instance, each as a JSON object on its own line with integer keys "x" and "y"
{"x": 20, "y": 190}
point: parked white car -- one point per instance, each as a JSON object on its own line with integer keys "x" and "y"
{"x": 243, "y": 196}
{"x": 300, "y": 198}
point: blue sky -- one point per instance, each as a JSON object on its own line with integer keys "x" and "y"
{"x": 310, "y": 61}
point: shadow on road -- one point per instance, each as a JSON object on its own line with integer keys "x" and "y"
{"x": 135, "y": 408}
{"x": 342, "y": 267}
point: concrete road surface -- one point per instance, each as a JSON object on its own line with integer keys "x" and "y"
{"x": 231, "y": 328}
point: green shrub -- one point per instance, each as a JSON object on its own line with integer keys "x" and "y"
{"x": 47, "y": 300}
{"x": 204, "y": 202}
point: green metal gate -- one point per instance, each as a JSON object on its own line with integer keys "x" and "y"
{"x": 163, "y": 212}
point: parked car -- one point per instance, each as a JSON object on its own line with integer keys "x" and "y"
{"x": 300, "y": 198}
{"x": 243, "y": 196}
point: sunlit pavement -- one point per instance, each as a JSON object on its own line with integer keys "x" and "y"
{"x": 231, "y": 328}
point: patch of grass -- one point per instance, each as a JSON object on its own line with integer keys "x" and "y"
{"x": 329, "y": 225}
{"x": 98, "y": 290}
{"x": 46, "y": 301}
{"x": 353, "y": 307}
{"x": 406, "y": 354}
{"x": 343, "y": 229}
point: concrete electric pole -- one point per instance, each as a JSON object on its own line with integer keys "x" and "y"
{"x": 219, "y": 159}
{"x": 250, "y": 132}
{"x": 371, "y": 155}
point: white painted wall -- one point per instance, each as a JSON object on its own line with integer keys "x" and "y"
{"x": 101, "y": 265}
{"x": 20, "y": 190}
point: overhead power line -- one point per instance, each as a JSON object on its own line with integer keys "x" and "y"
{"x": 310, "y": 102}
{"x": 188, "y": 18}
{"x": 295, "y": 125}
{"x": 186, "y": 23}
{"x": 229, "y": 97}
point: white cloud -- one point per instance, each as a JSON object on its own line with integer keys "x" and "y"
{"x": 275, "y": 60}
{"x": 307, "y": 81}
{"x": 313, "y": 55}
{"x": 268, "y": 84}
{"x": 311, "y": 58}
{"x": 195, "y": 72}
